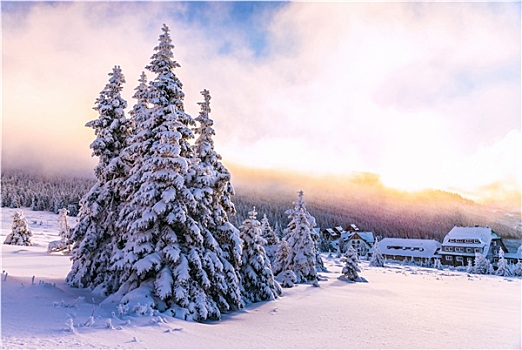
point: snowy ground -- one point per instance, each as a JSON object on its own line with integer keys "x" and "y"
{"x": 400, "y": 307}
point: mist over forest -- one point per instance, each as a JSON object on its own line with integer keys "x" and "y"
{"x": 360, "y": 199}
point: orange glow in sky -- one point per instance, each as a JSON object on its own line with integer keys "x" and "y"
{"x": 427, "y": 95}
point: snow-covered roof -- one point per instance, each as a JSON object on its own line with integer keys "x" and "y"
{"x": 417, "y": 248}
{"x": 517, "y": 255}
{"x": 481, "y": 233}
{"x": 331, "y": 232}
{"x": 366, "y": 236}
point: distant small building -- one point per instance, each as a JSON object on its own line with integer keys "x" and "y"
{"x": 420, "y": 250}
{"x": 362, "y": 242}
{"x": 461, "y": 244}
{"x": 331, "y": 234}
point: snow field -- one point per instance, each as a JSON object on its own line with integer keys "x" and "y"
{"x": 400, "y": 307}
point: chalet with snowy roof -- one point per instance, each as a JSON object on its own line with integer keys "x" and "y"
{"x": 362, "y": 242}
{"x": 461, "y": 244}
{"x": 331, "y": 234}
{"x": 420, "y": 250}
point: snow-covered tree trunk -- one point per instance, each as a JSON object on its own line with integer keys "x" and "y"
{"x": 20, "y": 232}
{"x": 257, "y": 279}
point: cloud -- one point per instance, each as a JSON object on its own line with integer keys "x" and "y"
{"x": 405, "y": 90}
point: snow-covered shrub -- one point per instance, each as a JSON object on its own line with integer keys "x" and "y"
{"x": 20, "y": 232}
{"x": 65, "y": 243}
{"x": 257, "y": 279}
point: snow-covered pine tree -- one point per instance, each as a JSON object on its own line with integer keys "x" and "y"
{"x": 481, "y": 265}
{"x": 268, "y": 233}
{"x": 257, "y": 279}
{"x": 377, "y": 260}
{"x": 351, "y": 267}
{"x": 96, "y": 235}
{"x": 281, "y": 261}
{"x": 168, "y": 253}
{"x": 301, "y": 257}
{"x": 212, "y": 188}
{"x": 517, "y": 269}
{"x": 271, "y": 238}
{"x": 502, "y": 266}
{"x": 20, "y": 232}
{"x": 470, "y": 268}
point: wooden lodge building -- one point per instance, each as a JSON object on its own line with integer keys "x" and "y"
{"x": 461, "y": 244}
{"x": 419, "y": 250}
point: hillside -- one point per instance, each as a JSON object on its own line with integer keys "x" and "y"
{"x": 363, "y": 200}
{"x": 334, "y": 201}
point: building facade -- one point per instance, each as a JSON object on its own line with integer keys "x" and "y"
{"x": 462, "y": 243}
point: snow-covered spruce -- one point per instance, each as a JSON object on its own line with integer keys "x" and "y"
{"x": 271, "y": 238}
{"x": 212, "y": 188}
{"x": 301, "y": 256}
{"x": 96, "y": 235}
{"x": 268, "y": 233}
{"x": 502, "y": 265}
{"x": 169, "y": 254}
{"x": 351, "y": 268}
{"x": 482, "y": 265}
{"x": 377, "y": 260}
{"x": 257, "y": 279}
{"x": 20, "y": 232}
{"x": 517, "y": 269}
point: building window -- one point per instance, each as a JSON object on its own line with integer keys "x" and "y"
{"x": 459, "y": 258}
{"x": 469, "y": 250}
{"x": 448, "y": 258}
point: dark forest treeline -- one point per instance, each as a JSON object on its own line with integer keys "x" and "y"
{"x": 367, "y": 204}
{"x": 44, "y": 193}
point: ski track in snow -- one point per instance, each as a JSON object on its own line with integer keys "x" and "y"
{"x": 400, "y": 307}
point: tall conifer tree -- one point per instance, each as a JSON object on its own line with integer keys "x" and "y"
{"x": 301, "y": 258}
{"x": 168, "y": 249}
{"x": 257, "y": 279}
{"x": 95, "y": 234}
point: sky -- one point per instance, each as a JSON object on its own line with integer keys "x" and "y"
{"x": 424, "y": 94}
